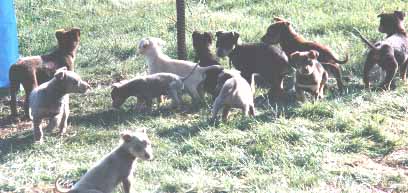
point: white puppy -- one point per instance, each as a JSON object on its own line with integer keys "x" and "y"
{"x": 115, "y": 167}
{"x": 51, "y": 100}
{"x": 157, "y": 62}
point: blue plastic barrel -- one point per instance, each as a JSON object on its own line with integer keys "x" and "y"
{"x": 8, "y": 40}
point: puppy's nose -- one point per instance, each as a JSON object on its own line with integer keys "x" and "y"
{"x": 148, "y": 156}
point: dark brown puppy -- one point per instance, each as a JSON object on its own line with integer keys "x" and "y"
{"x": 282, "y": 32}
{"x": 34, "y": 70}
{"x": 391, "y": 53}
{"x": 202, "y": 47}
{"x": 310, "y": 74}
{"x": 266, "y": 60}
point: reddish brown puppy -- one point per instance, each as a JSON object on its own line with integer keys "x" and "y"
{"x": 282, "y": 32}
{"x": 391, "y": 53}
{"x": 202, "y": 47}
{"x": 310, "y": 74}
{"x": 33, "y": 70}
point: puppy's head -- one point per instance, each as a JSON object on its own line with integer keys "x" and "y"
{"x": 275, "y": 30}
{"x": 391, "y": 23}
{"x": 226, "y": 41}
{"x": 71, "y": 81}
{"x": 117, "y": 95}
{"x": 68, "y": 39}
{"x": 150, "y": 45}
{"x": 202, "y": 41}
{"x": 305, "y": 62}
{"x": 138, "y": 144}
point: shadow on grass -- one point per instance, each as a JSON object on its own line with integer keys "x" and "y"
{"x": 179, "y": 132}
{"x": 16, "y": 143}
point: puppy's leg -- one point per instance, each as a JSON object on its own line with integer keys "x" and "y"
{"x": 403, "y": 71}
{"x": 175, "y": 103}
{"x": 300, "y": 95}
{"x": 194, "y": 95}
{"x": 28, "y": 84}
{"x": 252, "y": 110}
{"x": 126, "y": 185}
{"x": 225, "y": 112}
{"x": 369, "y": 63}
{"x": 54, "y": 122}
{"x": 218, "y": 103}
{"x": 38, "y": 132}
{"x": 335, "y": 69}
{"x": 391, "y": 69}
{"x": 64, "y": 120}
{"x": 148, "y": 104}
{"x": 14, "y": 86}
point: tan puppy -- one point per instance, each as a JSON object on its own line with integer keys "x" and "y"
{"x": 51, "y": 100}
{"x": 234, "y": 92}
{"x": 310, "y": 74}
{"x": 157, "y": 62}
{"x": 115, "y": 167}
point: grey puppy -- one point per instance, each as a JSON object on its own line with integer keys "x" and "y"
{"x": 147, "y": 88}
{"x": 234, "y": 92}
{"x": 115, "y": 167}
{"x": 51, "y": 100}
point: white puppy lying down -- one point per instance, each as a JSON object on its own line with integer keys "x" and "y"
{"x": 115, "y": 167}
{"x": 157, "y": 62}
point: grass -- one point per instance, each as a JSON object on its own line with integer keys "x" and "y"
{"x": 335, "y": 145}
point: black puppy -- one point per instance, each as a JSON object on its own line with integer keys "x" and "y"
{"x": 202, "y": 43}
{"x": 268, "y": 61}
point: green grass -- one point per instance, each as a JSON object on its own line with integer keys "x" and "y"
{"x": 335, "y": 145}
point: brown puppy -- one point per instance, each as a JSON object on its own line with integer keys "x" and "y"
{"x": 266, "y": 60}
{"x": 34, "y": 70}
{"x": 391, "y": 53}
{"x": 310, "y": 74}
{"x": 282, "y": 32}
{"x": 202, "y": 46}
{"x": 147, "y": 88}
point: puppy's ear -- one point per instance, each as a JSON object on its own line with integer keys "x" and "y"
{"x": 195, "y": 34}
{"x": 77, "y": 31}
{"x": 286, "y": 23}
{"x": 161, "y": 42}
{"x": 277, "y": 19}
{"x": 142, "y": 130}
{"x": 313, "y": 54}
{"x": 59, "y": 34}
{"x": 381, "y": 15}
{"x": 144, "y": 43}
{"x": 399, "y": 14}
{"x": 218, "y": 33}
{"x": 126, "y": 136}
{"x": 208, "y": 36}
{"x": 235, "y": 35}
{"x": 59, "y": 75}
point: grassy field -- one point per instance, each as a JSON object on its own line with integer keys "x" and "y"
{"x": 355, "y": 142}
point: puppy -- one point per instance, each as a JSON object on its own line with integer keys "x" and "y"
{"x": 51, "y": 100}
{"x": 115, "y": 167}
{"x": 202, "y": 47}
{"x": 234, "y": 92}
{"x": 35, "y": 70}
{"x": 266, "y": 60}
{"x": 157, "y": 62}
{"x": 391, "y": 53}
{"x": 281, "y": 32}
{"x": 148, "y": 87}
{"x": 310, "y": 74}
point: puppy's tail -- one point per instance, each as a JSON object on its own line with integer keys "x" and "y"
{"x": 59, "y": 187}
{"x": 342, "y": 61}
{"x": 358, "y": 33}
